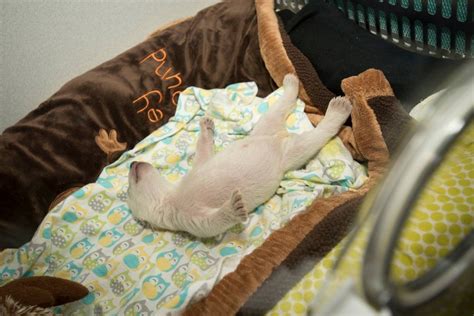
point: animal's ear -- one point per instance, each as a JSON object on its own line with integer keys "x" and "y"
{"x": 43, "y": 291}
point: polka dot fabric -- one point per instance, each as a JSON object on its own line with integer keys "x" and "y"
{"x": 441, "y": 217}
{"x": 296, "y": 301}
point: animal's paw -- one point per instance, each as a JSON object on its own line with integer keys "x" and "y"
{"x": 238, "y": 208}
{"x": 143, "y": 223}
{"x": 207, "y": 124}
{"x": 339, "y": 108}
{"x": 291, "y": 81}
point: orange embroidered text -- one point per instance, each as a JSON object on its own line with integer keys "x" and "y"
{"x": 152, "y": 112}
{"x": 152, "y": 99}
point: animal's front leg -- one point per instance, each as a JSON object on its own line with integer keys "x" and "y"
{"x": 273, "y": 121}
{"x": 300, "y": 148}
{"x": 205, "y": 143}
{"x": 216, "y": 221}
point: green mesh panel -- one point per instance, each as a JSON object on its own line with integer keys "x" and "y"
{"x": 393, "y": 24}
{"x": 371, "y": 17}
{"x": 406, "y": 28}
{"x": 360, "y": 14}
{"x": 383, "y": 21}
{"x": 446, "y": 9}
{"x": 418, "y": 31}
{"x": 431, "y": 35}
{"x": 417, "y": 5}
{"x": 462, "y": 11}
{"x": 367, "y": 17}
{"x": 460, "y": 42}
{"x": 445, "y": 38}
{"x": 350, "y": 10}
{"x": 432, "y": 7}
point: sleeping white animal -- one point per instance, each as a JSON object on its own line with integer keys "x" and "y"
{"x": 222, "y": 188}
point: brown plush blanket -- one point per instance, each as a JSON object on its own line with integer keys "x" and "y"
{"x": 92, "y": 119}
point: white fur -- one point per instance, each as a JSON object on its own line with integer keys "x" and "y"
{"x": 221, "y": 189}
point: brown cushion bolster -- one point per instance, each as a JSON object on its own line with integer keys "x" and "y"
{"x": 394, "y": 121}
{"x": 43, "y": 291}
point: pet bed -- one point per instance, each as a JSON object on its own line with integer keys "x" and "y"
{"x": 91, "y": 237}
{"x": 99, "y": 109}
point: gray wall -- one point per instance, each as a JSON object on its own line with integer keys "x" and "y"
{"x": 45, "y": 43}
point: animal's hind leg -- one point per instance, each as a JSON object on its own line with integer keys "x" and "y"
{"x": 274, "y": 121}
{"x": 205, "y": 143}
{"x": 300, "y": 148}
{"x": 200, "y": 225}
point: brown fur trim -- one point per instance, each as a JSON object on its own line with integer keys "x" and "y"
{"x": 9, "y": 307}
{"x": 394, "y": 120}
{"x": 236, "y": 287}
{"x": 367, "y": 130}
{"x": 271, "y": 46}
{"x": 368, "y": 84}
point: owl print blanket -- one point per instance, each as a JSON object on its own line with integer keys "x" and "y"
{"x": 92, "y": 238}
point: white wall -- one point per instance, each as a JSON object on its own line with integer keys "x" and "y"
{"x": 45, "y": 43}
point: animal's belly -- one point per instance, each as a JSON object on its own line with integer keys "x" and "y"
{"x": 252, "y": 168}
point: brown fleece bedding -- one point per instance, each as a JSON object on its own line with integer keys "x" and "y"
{"x": 95, "y": 117}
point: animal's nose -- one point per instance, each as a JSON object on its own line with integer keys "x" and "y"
{"x": 137, "y": 164}
{"x": 138, "y": 168}
{"x": 134, "y": 170}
